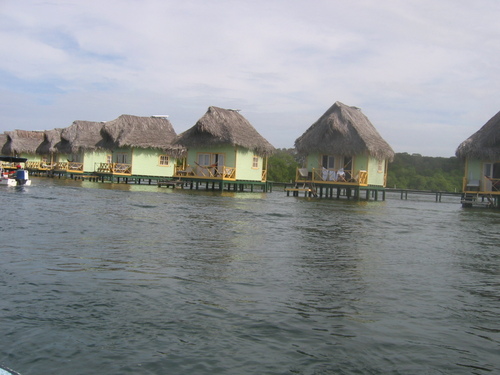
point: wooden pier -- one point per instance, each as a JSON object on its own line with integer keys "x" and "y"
{"x": 171, "y": 184}
{"x": 335, "y": 191}
{"x": 368, "y": 192}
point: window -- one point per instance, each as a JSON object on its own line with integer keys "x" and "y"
{"x": 328, "y": 162}
{"x": 75, "y": 158}
{"x": 164, "y": 160}
{"x": 109, "y": 159}
{"x": 255, "y": 162}
{"x": 380, "y": 168}
{"x": 204, "y": 159}
{"x": 121, "y": 158}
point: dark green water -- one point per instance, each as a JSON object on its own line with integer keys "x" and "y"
{"x": 126, "y": 279}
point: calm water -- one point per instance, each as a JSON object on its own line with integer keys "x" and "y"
{"x": 127, "y": 279}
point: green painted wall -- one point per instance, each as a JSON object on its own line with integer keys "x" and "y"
{"x": 245, "y": 170}
{"x": 91, "y": 159}
{"x": 375, "y": 177}
{"x": 361, "y": 163}
{"x": 474, "y": 169}
{"x": 146, "y": 162}
{"x": 31, "y": 157}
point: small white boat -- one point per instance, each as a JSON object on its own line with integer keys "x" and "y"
{"x": 19, "y": 177}
{"x": 7, "y": 371}
{"x": 13, "y": 182}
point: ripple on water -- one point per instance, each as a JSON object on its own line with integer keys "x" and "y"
{"x": 97, "y": 280}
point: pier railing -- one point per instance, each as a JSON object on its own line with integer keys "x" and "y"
{"x": 114, "y": 168}
{"x": 211, "y": 172}
{"x": 333, "y": 176}
{"x": 68, "y": 166}
{"x": 485, "y": 185}
{"x": 40, "y": 165}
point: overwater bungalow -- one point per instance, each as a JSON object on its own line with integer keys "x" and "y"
{"x": 80, "y": 149}
{"x": 3, "y": 141}
{"x": 47, "y": 152}
{"x": 223, "y": 147}
{"x": 481, "y": 152}
{"x": 23, "y": 143}
{"x": 342, "y": 150}
{"x": 140, "y": 146}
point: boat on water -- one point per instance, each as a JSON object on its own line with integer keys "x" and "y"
{"x": 12, "y": 173}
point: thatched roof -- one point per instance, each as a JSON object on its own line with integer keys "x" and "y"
{"x": 141, "y": 132}
{"x": 80, "y": 136}
{"x": 483, "y": 144}
{"x": 3, "y": 141}
{"x": 343, "y": 130}
{"x": 50, "y": 140}
{"x": 225, "y": 126}
{"x": 22, "y": 141}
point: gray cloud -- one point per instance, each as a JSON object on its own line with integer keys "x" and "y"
{"x": 424, "y": 72}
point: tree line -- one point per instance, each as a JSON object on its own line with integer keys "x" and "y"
{"x": 406, "y": 171}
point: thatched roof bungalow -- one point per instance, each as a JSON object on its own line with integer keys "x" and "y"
{"x": 81, "y": 136}
{"x": 23, "y": 143}
{"x": 343, "y": 146}
{"x": 224, "y": 145}
{"x": 142, "y": 145}
{"x": 481, "y": 152}
{"x": 80, "y": 149}
{"x": 51, "y": 138}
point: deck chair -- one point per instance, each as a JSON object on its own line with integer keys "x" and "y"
{"x": 303, "y": 172}
{"x": 473, "y": 184}
{"x": 186, "y": 172}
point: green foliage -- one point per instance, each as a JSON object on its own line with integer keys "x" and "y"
{"x": 425, "y": 173}
{"x": 282, "y": 165}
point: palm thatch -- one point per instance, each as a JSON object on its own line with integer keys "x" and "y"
{"x": 80, "y": 136}
{"x": 141, "y": 132}
{"x": 345, "y": 131}
{"x": 3, "y": 141}
{"x": 22, "y": 141}
{"x": 483, "y": 144}
{"x": 220, "y": 126}
{"x": 50, "y": 140}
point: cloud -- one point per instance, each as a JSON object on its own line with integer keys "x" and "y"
{"x": 420, "y": 70}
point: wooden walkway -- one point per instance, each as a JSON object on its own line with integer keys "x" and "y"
{"x": 355, "y": 192}
{"x": 171, "y": 184}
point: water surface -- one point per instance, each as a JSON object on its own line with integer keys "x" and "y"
{"x": 125, "y": 279}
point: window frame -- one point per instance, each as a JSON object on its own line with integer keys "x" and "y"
{"x": 161, "y": 160}
{"x": 255, "y": 162}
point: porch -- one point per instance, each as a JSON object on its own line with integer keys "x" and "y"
{"x": 68, "y": 166}
{"x": 331, "y": 177}
{"x": 484, "y": 185}
{"x": 119, "y": 169}
{"x": 213, "y": 172}
{"x": 41, "y": 166}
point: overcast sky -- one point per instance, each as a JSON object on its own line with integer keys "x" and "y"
{"x": 425, "y": 72}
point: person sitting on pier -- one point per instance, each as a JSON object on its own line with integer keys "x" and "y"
{"x": 341, "y": 175}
